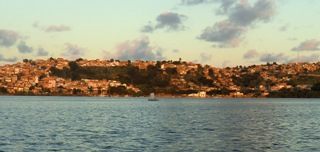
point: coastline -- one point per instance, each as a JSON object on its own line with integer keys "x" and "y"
{"x": 171, "y": 79}
{"x": 159, "y": 97}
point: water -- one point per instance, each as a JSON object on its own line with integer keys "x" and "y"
{"x": 133, "y": 124}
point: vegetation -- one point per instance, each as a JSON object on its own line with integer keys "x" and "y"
{"x": 153, "y": 78}
{"x": 3, "y": 91}
{"x": 139, "y": 78}
{"x": 146, "y": 80}
{"x": 248, "y": 80}
{"x": 295, "y": 93}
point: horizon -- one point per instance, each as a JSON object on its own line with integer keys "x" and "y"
{"x": 214, "y": 32}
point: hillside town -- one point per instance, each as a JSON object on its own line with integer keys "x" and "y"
{"x": 61, "y": 77}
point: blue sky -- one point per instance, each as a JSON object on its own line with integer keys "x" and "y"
{"x": 217, "y": 32}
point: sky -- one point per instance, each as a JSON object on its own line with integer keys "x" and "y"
{"x": 216, "y": 32}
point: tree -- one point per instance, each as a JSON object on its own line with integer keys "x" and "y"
{"x": 172, "y": 71}
{"x": 42, "y": 76}
{"x": 25, "y": 60}
{"x": 60, "y": 89}
{"x": 316, "y": 87}
{"x": 3, "y": 90}
{"x": 74, "y": 70}
{"x": 158, "y": 64}
{"x": 79, "y": 59}
{"x": 248, "y": 79}
{"x": 120, "y": 90}
{"x": 204, "y": 81}
{"x": 211, "y": 73}
{"x": 76, "y": 91}
{"x": 32, "y": 88}
{"x": 64, "y": 73}
{"x": 73, "y": 65}
{"x": 90, "y": 89}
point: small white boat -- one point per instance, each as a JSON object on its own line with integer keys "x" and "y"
{"x": 152, "y": 97}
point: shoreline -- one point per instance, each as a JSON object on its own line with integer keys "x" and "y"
{"x": 159, "y": 97}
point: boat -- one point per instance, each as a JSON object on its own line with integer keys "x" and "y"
{"x": 152, "y": 97}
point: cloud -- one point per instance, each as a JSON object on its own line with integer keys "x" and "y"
{"x": 308, "y": 45}
{"x": 42, "y": 52}
{"x": 35, "y": 24}
{"x": 292, "y": 39}
{"x": 52, "y": 28}
{"x": 147, "y": 29}
{"x": 224, "y": 4}
{"x": 57, "y": 28}
{"x": 175, "y": 51}
{"x": 8, "y": 38}
{"x": 169, "y": 20}
{"x": 251, "y": 54}
{"x": 24, "y": 48}
{"x": 279, "y": 57}
{"x": 4, "y": 59}
{"x": 193, "y": 2}
{"x": 138, "y": 49}
{"x": 240, "y": 18}
{"x": 244, "y": 14}
{"x": 226, "y": 63}
{"x": 272, "y": 57}
{"x": 310, "y": 58}
{"x": 205, "y": 57}
{"x": 73, "y": 51}
{"x": 225, "y": 33}
{"x": 283, "y": 28}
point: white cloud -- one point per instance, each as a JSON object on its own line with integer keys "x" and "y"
{"x": 138, "y": 49}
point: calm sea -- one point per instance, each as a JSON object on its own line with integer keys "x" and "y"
{"x": 134, "y": 124}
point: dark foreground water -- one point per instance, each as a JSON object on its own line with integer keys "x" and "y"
{"x": 133, "y": 124}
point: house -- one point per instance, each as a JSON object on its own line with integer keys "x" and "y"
{"x": 168, "y": 65}
{"x": 202, "y": 94}
{"x": 237, "y": 94}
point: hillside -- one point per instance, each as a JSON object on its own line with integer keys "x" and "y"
{"x": 165, "y": 78}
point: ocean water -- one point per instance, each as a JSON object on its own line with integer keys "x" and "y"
{"x": 134, "y": 124}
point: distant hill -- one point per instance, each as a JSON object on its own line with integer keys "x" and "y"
{"x": 166, "y": 78}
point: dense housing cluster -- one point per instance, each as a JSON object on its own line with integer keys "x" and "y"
{"x": 166, "y": 78}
